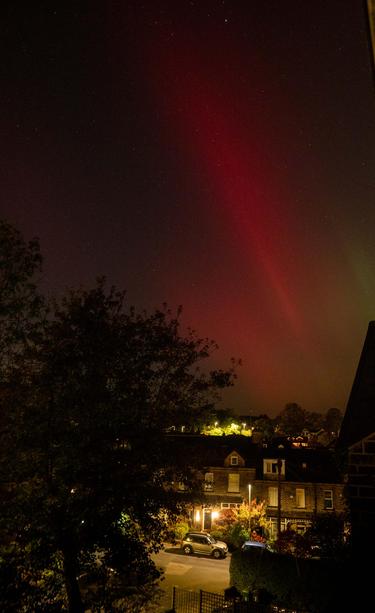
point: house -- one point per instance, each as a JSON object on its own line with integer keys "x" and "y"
{"x": 357, "y": 442}
{"x": 295, "y": 483}
{"x": 227, "y": 465}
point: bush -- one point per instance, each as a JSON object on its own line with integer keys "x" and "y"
{"x": 179, "y": 530}
{"x": 219, "y": 535}
{"x": 237, "y": 535}
{"x": 290, "y": 542}
{"x": 305, "y": 584}
{"x": 233, "y": 535}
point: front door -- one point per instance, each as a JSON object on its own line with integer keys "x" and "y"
{"x": 207, "y": 520}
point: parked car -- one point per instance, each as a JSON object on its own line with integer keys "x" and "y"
{"x": 250, "y": 544}
{"x": 203, "y": 543}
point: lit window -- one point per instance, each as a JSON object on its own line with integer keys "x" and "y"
{"x": 300, "y": 498}
{"x": 234, "y": 460}
{"x": 328, "y": 499}
{"x": 273, "y": 526}
{"x": 273, "y": 496}
{"x": 208, "y": 484}
{"x": 270, "y": 467}
{"x": 233, "y": 482}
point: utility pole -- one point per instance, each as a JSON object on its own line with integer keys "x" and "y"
{"x": 249, "y": 510}
{"x": 279, "y": 466}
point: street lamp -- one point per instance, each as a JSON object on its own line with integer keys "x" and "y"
{"x": 249, "y": 486}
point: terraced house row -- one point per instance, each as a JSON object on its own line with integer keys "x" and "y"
{"x": 295, "y": 483}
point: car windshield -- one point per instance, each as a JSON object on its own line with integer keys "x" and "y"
{"x": 212, "y": 539}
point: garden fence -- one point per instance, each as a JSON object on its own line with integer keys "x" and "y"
{"x": 188, "y": 601}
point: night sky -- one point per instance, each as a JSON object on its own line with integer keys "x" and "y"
{"x": 214, "y": 154}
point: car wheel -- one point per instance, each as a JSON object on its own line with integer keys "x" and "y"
{"x": 188, "y": 550}
{"x": 217, "y": 554}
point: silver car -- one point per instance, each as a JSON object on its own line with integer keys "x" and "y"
{"x": 203, "y": 543}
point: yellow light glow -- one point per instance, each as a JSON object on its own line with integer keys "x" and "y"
{"x": 215, "y": 514}
{"x": 197, "y": 516}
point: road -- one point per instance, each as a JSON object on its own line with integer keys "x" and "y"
{"x": 190, "y": 572}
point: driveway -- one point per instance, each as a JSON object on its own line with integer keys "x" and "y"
{"x": 190, "y": 572}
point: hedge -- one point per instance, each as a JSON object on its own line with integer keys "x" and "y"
{"x": 306, "y": 584}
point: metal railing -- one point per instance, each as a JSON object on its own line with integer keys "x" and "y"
{"x": 188, "y": 601}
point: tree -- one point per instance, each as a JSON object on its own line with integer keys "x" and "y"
{"x": 264, "y": 425}
{"x": 332, "y": 421}
{"x": 291, "y": 542}
{"x": 292, "y": 419}
{"x": 327, "y": 534}
{"x": 89, "y": 468}
{"x": 314, "y": 421}
{"x": 254, "y": 516}
{"x": 22, "y": 313}
{"x": 20, "y": 302}
{"x": 246, "y": 522}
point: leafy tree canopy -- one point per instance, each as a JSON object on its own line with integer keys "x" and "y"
{"x": 89, "y": 473}
{"x": 292, "y": 419}
{"x": 332, "y": 420}
{"x": 20, "y": 302}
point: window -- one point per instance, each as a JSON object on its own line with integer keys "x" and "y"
{"x": 301, "y": 526}
{"x": 233, "y": 482}
{"x": 234, "y": 460}
{"x": 230, "y": 505}
{"x": 202, "y": 540}
{"x": 300, "y": 498}
{"x": 328, "y": 499}
{"x": 208, "y": 484}
{"x": 270, "y": 467}
{"x": 273, "y": 496}
{"x": 273, "y": 526}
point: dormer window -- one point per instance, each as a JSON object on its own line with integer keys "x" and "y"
{"x": 234, "y": 459}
